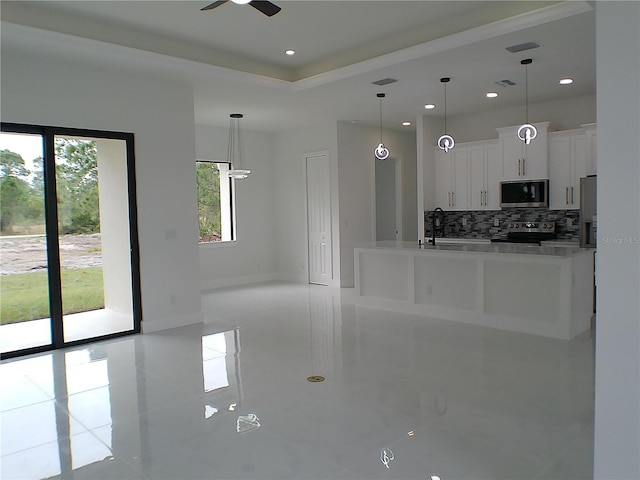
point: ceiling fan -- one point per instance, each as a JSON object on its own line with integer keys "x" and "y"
{"x": 268, "y": 8}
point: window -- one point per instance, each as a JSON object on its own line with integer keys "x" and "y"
{"x": 215, "y": 202}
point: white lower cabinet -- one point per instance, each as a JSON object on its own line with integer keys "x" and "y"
{"x": 567, "y": 164}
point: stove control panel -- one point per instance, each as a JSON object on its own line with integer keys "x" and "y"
{"x": 531, "y": 227}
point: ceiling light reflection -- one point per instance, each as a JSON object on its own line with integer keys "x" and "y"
{"x": 566, "y": 81}
{"x": 290, "y": 52}
{"x": 247, "y": 423}
{"x": 492, "y": 94}
{"x": 386, "y": 456}
{"x": 406, "y": 124}
{"x": 429, "y": 106}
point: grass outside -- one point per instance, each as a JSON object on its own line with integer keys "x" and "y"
{"x": 25, "y": 296}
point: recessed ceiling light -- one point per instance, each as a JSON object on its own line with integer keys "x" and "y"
{"x": 429, "y": 106}
{"x": 290, "y": 52}
{"x": 566, "y": 81}
{"x": 406, "y": 124}
{"x": 492, "y": 94}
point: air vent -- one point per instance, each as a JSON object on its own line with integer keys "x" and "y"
{"x": 384, "y": 81}
{"x": 522, "y": 47}
{"x": 505, "y": 83}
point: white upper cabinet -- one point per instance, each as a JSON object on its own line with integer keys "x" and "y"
{"x": 568, "y": 152}
{"x": 452, "y": 179}
{"x": 590, "y": 134}
{"x": 468, "y": 177}
{"x": 485, "y": 169}
{"x": 521, "y": 161}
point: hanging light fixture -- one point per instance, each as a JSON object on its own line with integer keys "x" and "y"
{"x": 527, "y": 132}
{"x": 381, "y": 152}
{"x": 445, "y": 142}
{"x": 235, "y": 150}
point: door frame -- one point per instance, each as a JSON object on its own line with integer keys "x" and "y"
{"x": 48, "y": 134}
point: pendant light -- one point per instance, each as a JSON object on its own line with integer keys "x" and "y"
{"x": 445, "y": 142}
{"x": 381, "y": 152}
{"x": 235, "y": 150}
{"x": 527, "y": 132}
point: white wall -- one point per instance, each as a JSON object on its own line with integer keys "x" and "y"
{"x": 357, "y": 182}
{"x": 564, "y": 114}
{"x": 252, "y": 257}
{"x": 39, "y": 90}
{"x": 617, "y": 406}
{"x": 290, "y": 199}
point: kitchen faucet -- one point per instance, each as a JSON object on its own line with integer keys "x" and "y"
{"x": 433, "y": 224}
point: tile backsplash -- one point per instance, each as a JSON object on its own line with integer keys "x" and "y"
{"x": 480, "y": 223}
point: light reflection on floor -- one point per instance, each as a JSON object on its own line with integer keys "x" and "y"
{"x": 404, "y": 397}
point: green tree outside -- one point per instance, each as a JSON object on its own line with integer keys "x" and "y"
{"x": 14, "y": 190}
{"x": 208, "y": 179}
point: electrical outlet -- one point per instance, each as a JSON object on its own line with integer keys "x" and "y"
{"x": 496, "y": 222}
{"x": 464, "y": 222}
{"x": 569, "y": 222}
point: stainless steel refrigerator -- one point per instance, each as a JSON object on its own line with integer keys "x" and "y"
{"x": 588, "y": 217}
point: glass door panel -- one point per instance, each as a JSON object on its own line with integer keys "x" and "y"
{"x": 25, "y": 318}
{"x": 93, "y": 236}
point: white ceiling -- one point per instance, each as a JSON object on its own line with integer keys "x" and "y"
{"x": 234, "y": 56}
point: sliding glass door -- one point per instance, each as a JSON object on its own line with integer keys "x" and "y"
{"x": 73, "y": 276}
{"x": 24, "y": 265}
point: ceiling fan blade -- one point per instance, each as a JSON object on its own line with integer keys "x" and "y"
{"x": 268, "y": 8}
{"x": 213, "y": 5}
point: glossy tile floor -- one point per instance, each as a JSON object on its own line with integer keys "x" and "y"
{"x": 405, "y": 397}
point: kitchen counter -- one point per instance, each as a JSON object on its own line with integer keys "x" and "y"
{"x": 542, "y": 290}
{"x": 472, "y": 246}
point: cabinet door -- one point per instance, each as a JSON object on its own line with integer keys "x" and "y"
{"x": 460, "y": 179}
{"x": 493, "y": 167}
{"x": 521, "y": 161}
{"x": 477, "y": 177}
{"x": 511, "y": 156}
{"x": 560, "y": 172}
{"x": 442, "y": 179}
{"x": 579, "y": 152}
{"x": 535, "y": 164}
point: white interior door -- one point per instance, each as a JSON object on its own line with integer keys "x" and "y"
{"x": 319, "y": 219}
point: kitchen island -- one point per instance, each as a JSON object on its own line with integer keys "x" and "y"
{"x": 541, "y": 290}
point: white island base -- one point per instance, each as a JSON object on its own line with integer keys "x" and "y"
{"x": 544, "y": 291}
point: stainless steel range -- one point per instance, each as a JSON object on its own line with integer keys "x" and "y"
{"x": 527, "y": 232}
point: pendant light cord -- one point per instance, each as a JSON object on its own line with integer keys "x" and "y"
{"x": 445, "y": 108}
{"x": 380, "y": 119}
{"x": 526, "y": 93}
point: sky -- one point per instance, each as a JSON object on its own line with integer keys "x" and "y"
{"x": 29, "y": 146}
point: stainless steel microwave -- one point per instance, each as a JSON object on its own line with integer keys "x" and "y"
{"x": 524, "y": 193}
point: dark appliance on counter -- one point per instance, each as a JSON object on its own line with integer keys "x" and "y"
{"x": 588, "y": 218}
{"x": 524, "y": 193}
{"x": 528, "y": 232}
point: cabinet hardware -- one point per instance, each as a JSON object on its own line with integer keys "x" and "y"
{"x": 571, "y": 195}
{"x": 519, "y": 167}
{"x": 566, "y": 195}
{"x": 453, "y": 199}
{"x": 523, "y": 167}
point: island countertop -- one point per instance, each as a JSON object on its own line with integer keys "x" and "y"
{"x": 487, "y": 248}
